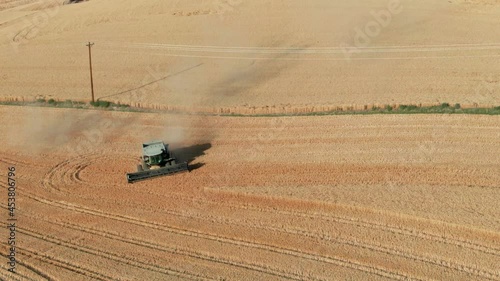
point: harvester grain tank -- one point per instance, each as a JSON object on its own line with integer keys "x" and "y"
{"x": 157, "y": 161}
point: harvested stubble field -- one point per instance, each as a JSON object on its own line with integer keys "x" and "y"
{"x": 290, "y": 198}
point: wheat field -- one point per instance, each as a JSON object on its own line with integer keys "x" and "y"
{"x": 267, "y": 197}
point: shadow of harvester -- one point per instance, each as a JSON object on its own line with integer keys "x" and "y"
{"x": 190, "y": 153}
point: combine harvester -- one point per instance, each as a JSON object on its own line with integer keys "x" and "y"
{"x": 156, "y": 161}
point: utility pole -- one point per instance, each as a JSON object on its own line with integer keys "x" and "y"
{"x": 90, "y": 63}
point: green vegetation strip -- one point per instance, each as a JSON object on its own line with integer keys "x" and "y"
{"x": 444, "y": 108}
{"x": 70, "y": 104}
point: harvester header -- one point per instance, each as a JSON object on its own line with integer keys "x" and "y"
{"x": 157, "y": 161}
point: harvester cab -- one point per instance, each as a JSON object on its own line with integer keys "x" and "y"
{"x": 155, "y": 153}
{"x": 157, "y": 160}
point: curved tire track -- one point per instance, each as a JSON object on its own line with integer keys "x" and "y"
{"x": 297, "y": 231}
{"x": 18, "y": 274}
{"x": 69, "y": 171}
{"x": 109, "y": 255}
{"x": 435, "y": 261}
{"x": 406, "y": 231}
{"x": 333, "y": 260}
{"x": 64, "y": 264}
{"x": 78, "y": 166}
